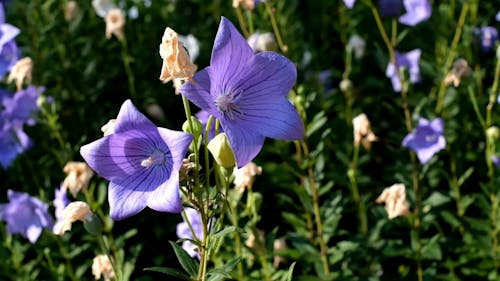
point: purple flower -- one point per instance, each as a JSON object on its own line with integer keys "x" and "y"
{"x": 488, "y": 36}
{"x": 408, "y": 61}
{"x": 496, "y": 160}
{"x": 25, "y": 215}
{"x": 390, "y": 8}
{"x": 9, "y": 53}
{"x": 142, "y": 163}
{"x": 60, "y": 202}
{"x": 247, "y": 93}
{"x": 349, "y": 3}
{"x": 20, "y": 108}
{"x": 184, "y": 232}
{"x": 427, "y": 139}
{"x": 497, "y": 17}
{"x": 13, "y": 141}
{"x": 416, "y": 11}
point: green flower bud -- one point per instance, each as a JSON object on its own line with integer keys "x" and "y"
{"x": 197, "y": 127}
{"x": 345, "y": 85}
{"x": 93, "y": 224}
{"x": 221, "y": 151}
{"x": 493, "y": 133}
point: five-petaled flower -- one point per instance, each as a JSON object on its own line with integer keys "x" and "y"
{"x": 407, "y": 61}
{"x": 142, "y": 163}
{"x": 417, "y": 11}
{"x": 25, "y": 215}
{"x": 247, "y": 93}
{"x": 427, "y": 139}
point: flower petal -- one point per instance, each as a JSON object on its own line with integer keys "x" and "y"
{"x": 230, "y": 56}
{"x": 272, "y": 117}
{"x": 198, "y": 90}
{"x": 33, "y": 232}
{"x": 437, "y": 125}
{"x": 245, "y": 144}
{"x": 125, "y": 201}
{"x": 268, "y": 73}
{"x": 166, "y": 198}
{"x": 129, "y": 118}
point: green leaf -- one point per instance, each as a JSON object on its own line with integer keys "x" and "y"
{"x": 225, "y": 231}
{"x": 436, "y": 199}
{"x": 169, "y": 271}
{"x": 223, "y": 272}
{"x": 432, "y": 250}
{"x": 188, "y": 263}
{"x": 318, "y": 121}
{"x": 289, "y": 274}
{"x": 465, "y": 176}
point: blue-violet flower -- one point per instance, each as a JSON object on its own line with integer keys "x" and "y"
{"x": 247, "y": 93}
{"x": 427, "y": 139}
{"x": 142, "y": 163}
{"x": 25, "y": 215}
{"x": 417, "y": 11}
{"x": 408, "y": 61}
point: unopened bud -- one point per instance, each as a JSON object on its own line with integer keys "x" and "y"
{"x": 93, "y": 224}
{"x": 196, "y": 127}
{"x": 493, "y": 132}
{"x": 345, "y": 85}
{"x": 221, "y": 151}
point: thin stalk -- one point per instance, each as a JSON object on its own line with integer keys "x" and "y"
{"x": 241, "y": 20}
{"x": 283, "y": 47}
{"x": 493, "y": 93}
{"x": 451, "y": 55}
{"x": 126, "y": 63}
{"x": 237, "y": 239}
{"x": 187, "y": 111}
{"x": 360, "y": 206}
{"x": 317, "y": 214}
{"x": 107, "y": 250}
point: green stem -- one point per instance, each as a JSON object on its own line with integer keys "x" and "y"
{"x": 363, "y": 222}
{"x": 451, "y": 56}
{"x": 473, "y": 100}
{"x": 107, "y": 251}
{"x": 317, "y": 214}
{"x": 493, "y": 93}
{"x": 283, "y": 47}
{"x": 126, "y": 63}
{"x": 241, "y": 20}
{"x": 187, "y": 111}
{"x": 235, "y": 219}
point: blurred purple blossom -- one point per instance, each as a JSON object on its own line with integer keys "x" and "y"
{"x": 488, "y": 36}
{"x": 247, "y": 93}
{"x": 184, "y": 232}
{"x": 497, "y": 17}
{"x": 60, "y": 202}
{"x": 496, "y": 160}
{"x": 25, "y": 215}
{"x": 9, "y": 52}
{"x": 13, "y": 141}
{"x": 416, "y": 11}
{"x": 20, "y": 108}
{"x": 390, "y": 8}
{"x": 407, "y": 61}
{"x": 426, "y": 139}
{"x": 142, "y": 163}
{"x": 349, "y": 3}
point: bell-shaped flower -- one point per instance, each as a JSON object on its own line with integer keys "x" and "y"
{"x": 176, "y": 61}
{"x": 21, "y": 72}
{"x": 488, "y": 36}
{"x": 247, "y": 93}
{"x": 362, "y": 131}
{"x": 74, "y": 211}
{"x": 427, "y": 139}
{"x": 101, "y": 267}
{"x": 395, "y": 201}
{"x": 78, "y": 177}
{"x": 417, "y": 11}
{"x": 115, "y": 21}
{"x": 25, "y": 215}
{"x": 408, "y": 61}
{"x": 142, "y": 163}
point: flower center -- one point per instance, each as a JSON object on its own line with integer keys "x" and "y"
{"x": 431, "y": 138}
{"x": 156, "y": 158}
{"x": 226, "y": 103}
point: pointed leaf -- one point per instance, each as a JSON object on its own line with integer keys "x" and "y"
{"x": 188, "y": 263}
{"x": 289, "y": 274}
{"x": 169, "y": 271}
